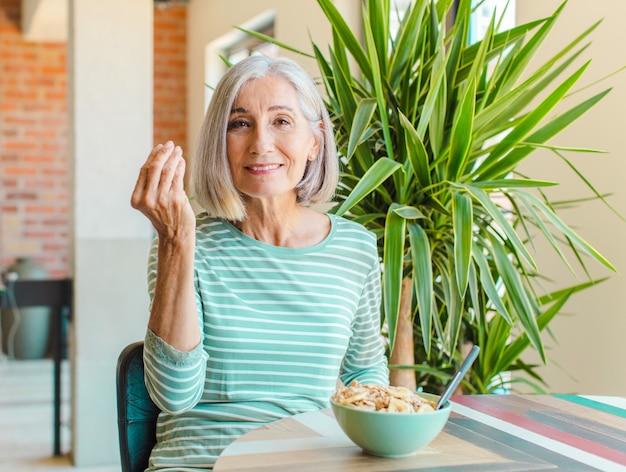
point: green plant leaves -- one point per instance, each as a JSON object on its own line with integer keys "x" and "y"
{"x": 431, "y": 132}
{"x": 422, "y": 279}
{"x": 462, "y": 220}
{"x": 568, "y": 232}
{"x": 499, "y": 218}
{"x": 492, "y": 166}
{"x": 418, "y": 156}
{"x": 360, "y": 124}
{"x": 461, "y": 135}
{"x": 393, "y": 255}
{"x": 376, "y": 175}
{"x": 346, "y": 36}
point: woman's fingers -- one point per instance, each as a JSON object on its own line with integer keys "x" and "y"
{"x": 156, "y": 174}
{"x": 159, "y": 192}
{"x": 155, "y": 164}
{"x": 178, "y": 184}
{"x": 169, "y": 170}
{"x": 146, "y": 176}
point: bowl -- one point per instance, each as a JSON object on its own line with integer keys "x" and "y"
{"x": 387, "y": 434}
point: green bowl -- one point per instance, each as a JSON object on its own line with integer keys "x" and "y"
{"x": 391, "y": 434}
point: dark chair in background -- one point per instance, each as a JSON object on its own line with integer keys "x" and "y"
{"x": 136, "y": 412}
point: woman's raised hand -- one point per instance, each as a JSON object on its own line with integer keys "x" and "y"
{"x": 160, "y": 194}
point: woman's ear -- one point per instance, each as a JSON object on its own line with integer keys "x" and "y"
{"x": 318, "y": 136}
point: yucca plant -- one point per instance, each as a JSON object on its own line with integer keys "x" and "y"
{"x": 431, "y": 132}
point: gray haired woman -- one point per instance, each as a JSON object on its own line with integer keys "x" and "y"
{"x": 260, "y": 302}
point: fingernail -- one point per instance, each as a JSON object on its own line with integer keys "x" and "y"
{"x": 169, "y": 144}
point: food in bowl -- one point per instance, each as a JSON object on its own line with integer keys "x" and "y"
{"x": 383, "y": 430}
{"x": 383, "y": 398}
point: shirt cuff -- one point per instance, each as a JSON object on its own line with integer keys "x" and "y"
{"x": 170, "y": 355}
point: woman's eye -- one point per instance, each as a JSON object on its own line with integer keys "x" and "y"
{"x": 282, "y": 121}
{"x": 237, "y": 124}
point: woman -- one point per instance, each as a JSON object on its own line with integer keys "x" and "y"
{"x": 261, "y": 303}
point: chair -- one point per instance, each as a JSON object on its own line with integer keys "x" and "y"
{"x": 136, "y": 412}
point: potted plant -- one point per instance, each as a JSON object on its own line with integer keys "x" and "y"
{"x": 431, "y": 132}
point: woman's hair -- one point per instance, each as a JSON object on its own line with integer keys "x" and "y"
{"x": 211, "y": 181}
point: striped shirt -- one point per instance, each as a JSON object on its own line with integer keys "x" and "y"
{"x": 280, "y": 327}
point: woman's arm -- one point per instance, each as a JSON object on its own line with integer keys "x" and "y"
{"x": 365, "y": 359}
{"x": 174, "y": 359}
{"x": 160, "y": 195}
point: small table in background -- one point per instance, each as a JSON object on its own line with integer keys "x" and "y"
{"x": 57, "y": 295}
{"x": 484, "y": 432}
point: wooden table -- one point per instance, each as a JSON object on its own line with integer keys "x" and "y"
{"x": 484, "y": 433}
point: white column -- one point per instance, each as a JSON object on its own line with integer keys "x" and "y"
{"x": 110, "y": 94}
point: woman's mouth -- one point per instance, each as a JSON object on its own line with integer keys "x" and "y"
{"x": 263, "y": 168}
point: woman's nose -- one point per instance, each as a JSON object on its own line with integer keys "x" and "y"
{"x": 263, "y": 140}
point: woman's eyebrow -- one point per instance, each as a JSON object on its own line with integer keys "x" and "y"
{"x": 271, "y": 108}
{"x": 281, "y": 107}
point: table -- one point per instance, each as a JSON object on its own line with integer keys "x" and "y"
{"x": 485, "y": 432}
{"x": 56, "y": 294}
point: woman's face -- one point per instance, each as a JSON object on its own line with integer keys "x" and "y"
{"x": 269, "y": 140}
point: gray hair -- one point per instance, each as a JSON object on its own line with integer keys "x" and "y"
{"x": 211, "y": 181}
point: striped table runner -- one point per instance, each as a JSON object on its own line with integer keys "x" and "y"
{"x": 484, "y": 433}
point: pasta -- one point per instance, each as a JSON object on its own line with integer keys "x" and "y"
{"x": 381, "y": 398}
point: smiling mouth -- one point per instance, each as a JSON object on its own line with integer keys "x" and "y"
{"x": 263, "y": 168}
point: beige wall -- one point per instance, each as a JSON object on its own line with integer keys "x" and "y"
{"x": 590, "y": 353}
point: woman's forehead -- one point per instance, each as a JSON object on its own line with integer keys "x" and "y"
{"x": 269, "y": 92}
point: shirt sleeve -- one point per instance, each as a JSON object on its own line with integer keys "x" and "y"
{"x": 365, "y": 359}
{"x": 174, "y": 379}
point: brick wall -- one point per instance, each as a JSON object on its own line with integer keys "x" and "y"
{"x": 170, "y": 74}
{"x": 34, "y": 168}
{"x": 33, "y": 147}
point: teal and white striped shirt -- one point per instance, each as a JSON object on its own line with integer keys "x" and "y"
{"x": 280, "y": 326}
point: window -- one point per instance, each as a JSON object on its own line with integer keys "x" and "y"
{"x": 250, "y": 45}
{"x": 235, "y": 46}
{"x": 505, "y": 16}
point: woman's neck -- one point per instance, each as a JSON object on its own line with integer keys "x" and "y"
{"x": 299, "y": 227}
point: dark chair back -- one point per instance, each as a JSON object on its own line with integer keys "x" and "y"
{"x": 136, "y": 412}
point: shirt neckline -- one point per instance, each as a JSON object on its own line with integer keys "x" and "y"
{"x": 281, "y": 249}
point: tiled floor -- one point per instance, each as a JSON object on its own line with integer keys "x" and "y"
{"x": 26, "y": 419}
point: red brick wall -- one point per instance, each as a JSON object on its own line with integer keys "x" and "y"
{"x": 34, "y": 169}
{"x": 34, "y": 218}
{"x": 170, "y": 74}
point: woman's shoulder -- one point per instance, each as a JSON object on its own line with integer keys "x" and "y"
{"x": 212, "y": 231}
{"x": 206, "y": 223}
{"x": 350, "y": 228}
